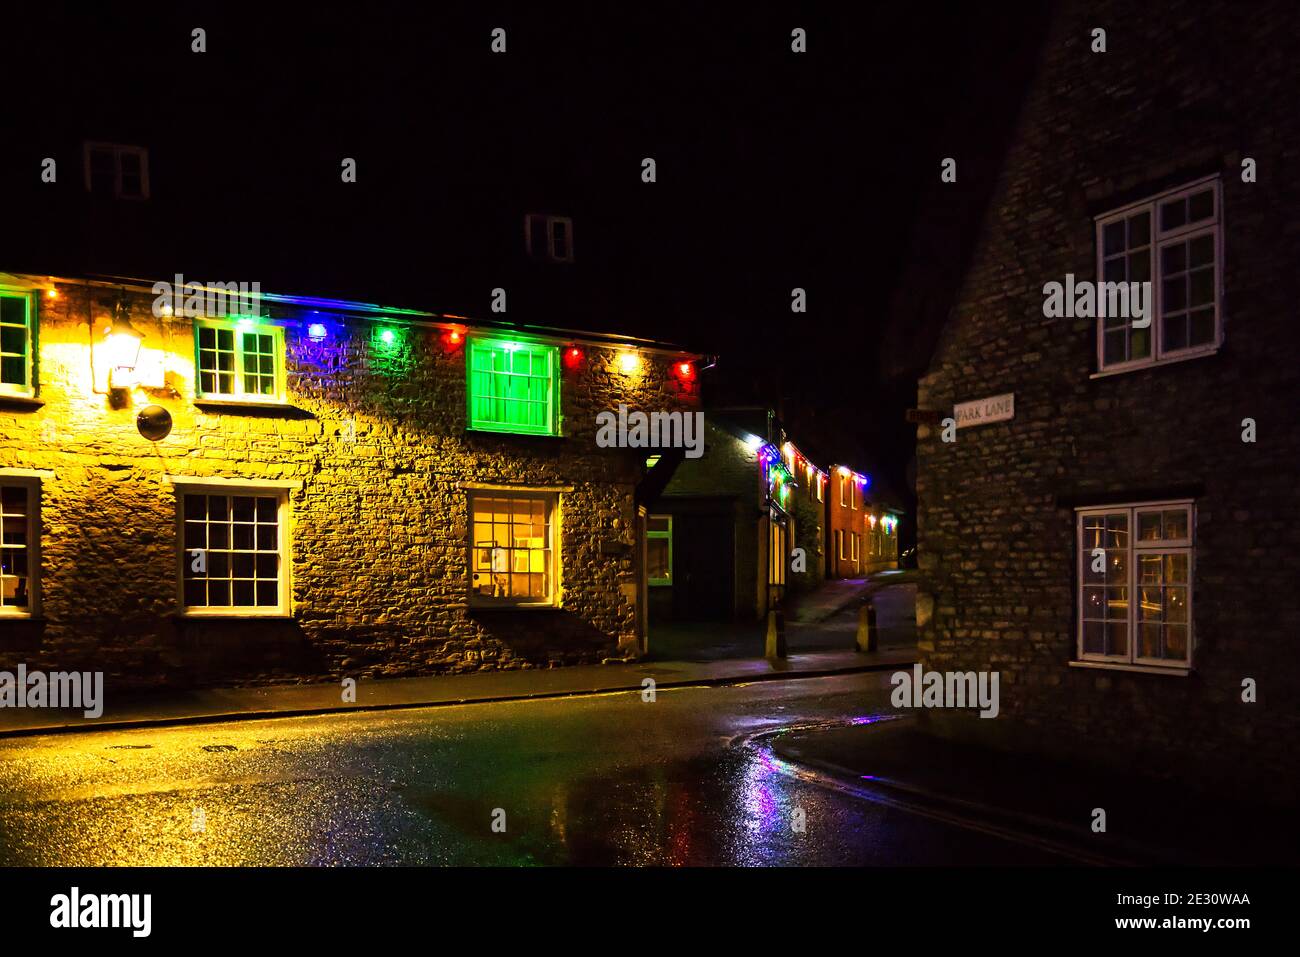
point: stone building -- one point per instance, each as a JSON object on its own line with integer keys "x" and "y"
{"x": 1113, "y": 527}
{"x": 342, "y": 488}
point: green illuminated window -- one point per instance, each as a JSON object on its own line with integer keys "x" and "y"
{"x": 239, "y": 360}
{"x": 15, "y": 343}
{"x": 513, "y": 387}
{"x": 659, "y": 549}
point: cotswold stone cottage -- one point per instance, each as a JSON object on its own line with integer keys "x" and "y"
{"x": 1120, "y": 541}
{"x": 318, "y": 488}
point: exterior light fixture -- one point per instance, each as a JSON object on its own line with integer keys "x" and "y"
{"x": 122, "y": 338}
{"x": 387, "y": 337}
{"x": 572, "y": 357}
{"x": 685, "y": 370}
{"x": 629, "y": 362}
{"x": 753, "y": 443}
{"x": 51, "y": 294}
{"x": 317, "y": 331}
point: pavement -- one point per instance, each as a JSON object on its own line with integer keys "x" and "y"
{"x": 892, "y": 594}
{"x": 1040, "y": 801}
{"x": 681, "y": 655}
{"x": 226, "y": 704}
{"x": 835, "y": 595}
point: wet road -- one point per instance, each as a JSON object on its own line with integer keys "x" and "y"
{"x": 609, "y": 779}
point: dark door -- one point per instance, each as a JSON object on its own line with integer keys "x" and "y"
{"x": 703, "y": 577}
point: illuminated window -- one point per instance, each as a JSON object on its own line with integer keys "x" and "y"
{"x": 116, "y": 170}
{"x": 16, "y": 328}
{"x": 234, "y": 555}
{"x": 513, "y": 387}
{"x": 1135, "y": 584}
{"x": 239, "y": 359}
{"x": 512, "y": 556}
{"x": 1172, "y": 241}
{"x": 19, "y": 551}
{"x": 659, "y": 549}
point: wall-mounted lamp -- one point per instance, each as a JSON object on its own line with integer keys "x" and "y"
{"x": 122, "y": 338}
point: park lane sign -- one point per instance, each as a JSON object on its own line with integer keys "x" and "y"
{"x": 996, "y": 408}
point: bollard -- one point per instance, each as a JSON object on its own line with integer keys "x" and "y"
{"x": 866, "y": 640}
{"x": 775, "y": 635}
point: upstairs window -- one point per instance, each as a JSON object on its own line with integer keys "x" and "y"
{"x": 16, "y": 327}
{"x": 239, "y": 360}
{"x": 1174, "y": 241}
{"x": 659, "y": 549}
{"x": 116, "y": 170}
{"x": 513, "y": 387}
{"x": 549, "y": 238}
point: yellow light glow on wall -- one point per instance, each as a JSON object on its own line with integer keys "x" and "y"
{"x": 629, "y": 362}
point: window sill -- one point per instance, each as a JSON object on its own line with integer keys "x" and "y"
{"x": 232, "y": 616}
{"x": 27, "y": 401}
{"x": 517, "y": 435}
{"x": 511, "y": 606}
{"x": 218, "y": 402}
{"x": 1179, "y": 671}
{"x": 1157, "y": 364}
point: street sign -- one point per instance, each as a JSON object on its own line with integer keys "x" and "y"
{"x": 996, "y": 408}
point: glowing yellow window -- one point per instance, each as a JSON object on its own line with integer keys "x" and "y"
{"x": 512, "y": 557}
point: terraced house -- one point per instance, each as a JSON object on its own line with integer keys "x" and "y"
{"x": 316, "y": 488}
{"x": 1114, "y": 526}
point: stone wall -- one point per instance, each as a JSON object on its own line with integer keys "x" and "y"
{"x": 375, "y": 434}
{"x": 1184, "y": 90}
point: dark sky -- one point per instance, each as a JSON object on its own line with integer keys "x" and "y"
{"x": 775, "y": 170}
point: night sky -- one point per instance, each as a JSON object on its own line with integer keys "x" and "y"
{"x": 775, "y": 170}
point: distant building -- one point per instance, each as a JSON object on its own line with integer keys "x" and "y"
{"x": 729, "y": 521}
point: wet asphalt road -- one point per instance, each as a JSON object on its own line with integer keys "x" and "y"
{"x": 601, "y": 780}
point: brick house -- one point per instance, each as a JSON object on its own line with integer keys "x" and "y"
{"x": 344, "y": 488}
{"x": 1122, "y": 546}
{"x": 863, "y": 527}
{"x": 845, "y": 524}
